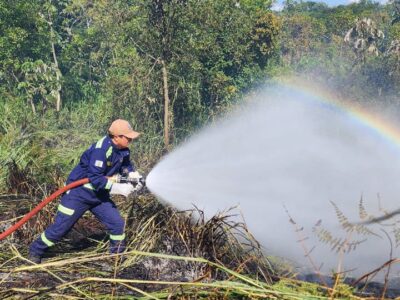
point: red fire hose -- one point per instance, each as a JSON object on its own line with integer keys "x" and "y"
{"x": 41, "y": 205}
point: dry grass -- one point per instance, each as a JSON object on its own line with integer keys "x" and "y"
{"x": 170, "y": 255}
{"x": 177, "y": 253}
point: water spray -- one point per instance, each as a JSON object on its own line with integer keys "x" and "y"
{"x": 301, "y": 152}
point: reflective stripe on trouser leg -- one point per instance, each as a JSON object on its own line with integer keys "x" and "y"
{"x": 46, "y": 240}
{"x": 65, "y": 210}
{"x": 117, "y": 243}
{"x": 40, "y": 245}
{"x": 117, "y": 237}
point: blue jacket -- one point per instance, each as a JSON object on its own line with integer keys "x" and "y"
{"x": 100, "y": 160}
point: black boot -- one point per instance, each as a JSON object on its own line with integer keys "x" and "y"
{"x": 35, "y": 259}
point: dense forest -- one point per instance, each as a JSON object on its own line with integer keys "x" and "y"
{"x": 70, "y": 67}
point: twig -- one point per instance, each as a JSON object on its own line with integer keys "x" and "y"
{"x": 388, "y": 269}
{"x": 389, "y": 262}
{"x": 339, "y": 267}
{"x": 301, "y": 240}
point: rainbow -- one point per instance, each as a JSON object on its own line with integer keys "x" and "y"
{"x": 365, "y": 116}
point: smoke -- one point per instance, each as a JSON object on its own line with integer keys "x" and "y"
{"x": 285, "y": 149}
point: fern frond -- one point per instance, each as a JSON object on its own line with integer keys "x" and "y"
{"x": 396, "y": 233}
{"x": 344, "y": 222}
{"x": 361, "y": 210}
{"x": 350, "y": 227}
{"x": 337, "y": 244}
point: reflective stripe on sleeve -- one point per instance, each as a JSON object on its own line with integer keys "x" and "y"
{"x": 119, "y": 237}
{"x": 109, "y": 184}
{"x": 88, "y": 186}
{"x": 46, "y": 241}
{"x": 109, "y": 152}
{"x": 65, "y": 210}
{"x": 100, "y": 142}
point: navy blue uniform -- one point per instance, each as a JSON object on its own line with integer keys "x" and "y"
{"x": 100, "y": 160}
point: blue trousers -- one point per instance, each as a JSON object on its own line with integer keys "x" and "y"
{"x": 73, "y": 205}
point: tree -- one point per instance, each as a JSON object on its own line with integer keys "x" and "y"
{"x": 21, "y": 40}
{"x": 30, "y": 34}
{"x": 302, "y": 35}
{"x": 395, "y": 11}
{"x": 164, "y": 19}
{"x": 393, "y": 59}
{"x": 41, "y": 83}
{"x": 48, "y": 14}
{"x": 168, "y": 65}
{"x": 201, "y": 53}
{"x": 364, "y": 38}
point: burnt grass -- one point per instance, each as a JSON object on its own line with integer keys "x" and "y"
{"x": 150, "y": 227}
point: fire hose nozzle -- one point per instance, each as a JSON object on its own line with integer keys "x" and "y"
{"x": 141, "y": 180}
{"x": 133, "y": 181}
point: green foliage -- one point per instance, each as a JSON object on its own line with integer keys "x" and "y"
{"x": 109, "y": 57}
{"x": 314, "y": 291}
{"x": 212, "y": 50}
{"x": 364, "y": 37}
{"x": 21, "y": 39}
{"x": 320, "y": 53}
{"x": 38, "y": 146}
{"x": 395, "y": 11}
{"x": 40, "y": 83}
{"x": 302, "y": 35}
{"x": 307, "y": 289}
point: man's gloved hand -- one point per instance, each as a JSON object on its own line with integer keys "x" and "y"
{"x": 124, "y": 189}
{"x": 135, "y": 175}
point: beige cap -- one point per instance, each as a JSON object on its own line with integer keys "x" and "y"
{"x": 122, "y": 127}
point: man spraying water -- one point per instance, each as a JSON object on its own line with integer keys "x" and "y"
{"x": 103, "y": 164}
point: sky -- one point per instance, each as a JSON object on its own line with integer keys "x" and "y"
{"x": 278, "y": 4}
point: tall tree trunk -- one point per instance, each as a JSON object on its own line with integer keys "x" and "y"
{"x": 58, "y": 95}
{"x": 32, "y": 106}
{"x": 58, "y": 72}
{"x": 167, "y": 121}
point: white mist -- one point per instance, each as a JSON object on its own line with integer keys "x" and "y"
{"x": 285, "y": 148}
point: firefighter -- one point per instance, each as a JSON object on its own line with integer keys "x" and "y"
{"x": 103, "y": 163}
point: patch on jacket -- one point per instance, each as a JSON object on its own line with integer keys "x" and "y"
{"x": 98, "y": 163}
